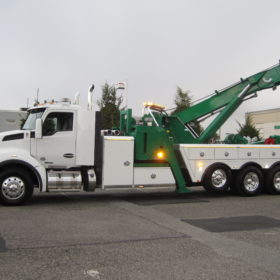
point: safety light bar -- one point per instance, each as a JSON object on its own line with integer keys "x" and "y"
{"x": 153, "y": 106}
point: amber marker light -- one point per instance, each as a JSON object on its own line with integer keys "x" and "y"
{"x": 160, "y": 155}
{"x": 200, "y": 165}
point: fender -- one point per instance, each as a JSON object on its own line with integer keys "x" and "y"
{"x": 251, "y": 163}
{"x": 31, "y": 163}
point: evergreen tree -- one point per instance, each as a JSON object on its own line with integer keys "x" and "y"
{"x": 183, "y": 101}
{"x": 109, "y": 106}
{"x": 248, "y": 128}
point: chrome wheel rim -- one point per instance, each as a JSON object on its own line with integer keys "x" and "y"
{"x": 276, "y": 181}
{"x": 218, "y": 178}
{"x": 251, "y": 181}
{"x": 13, "y": 188}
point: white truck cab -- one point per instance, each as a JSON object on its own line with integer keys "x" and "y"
{"x": 50, "y": 152}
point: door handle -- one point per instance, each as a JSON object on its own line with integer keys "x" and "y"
{"x": 68, "y": 155}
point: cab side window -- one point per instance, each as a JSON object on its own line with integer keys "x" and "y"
{"x": 57, "y": 121}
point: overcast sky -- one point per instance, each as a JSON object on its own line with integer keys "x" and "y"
{"x": 62, "y": 46}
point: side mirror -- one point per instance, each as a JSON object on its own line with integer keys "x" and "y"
{"x": 38, "y": 128}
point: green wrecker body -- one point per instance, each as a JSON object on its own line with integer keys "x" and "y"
{"x": 159, "y": 131}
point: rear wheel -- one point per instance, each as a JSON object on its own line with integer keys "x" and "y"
{"x": 217, "y": 178}
{"x": 249, "y": 181}
{"x": 272, "y": 181}
{"x": 16, "y": 186}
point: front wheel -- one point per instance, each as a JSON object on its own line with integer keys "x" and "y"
{"x": 249, "y": 181}
{"x": 16, "y": 187}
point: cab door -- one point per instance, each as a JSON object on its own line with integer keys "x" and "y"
{"x": 57, "y": 147}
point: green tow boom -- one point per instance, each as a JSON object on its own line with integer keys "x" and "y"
{"x": 224, "y": 102}
{"x": 157, "y": 131}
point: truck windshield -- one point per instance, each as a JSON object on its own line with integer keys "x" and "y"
{"x": 33, "y": 115}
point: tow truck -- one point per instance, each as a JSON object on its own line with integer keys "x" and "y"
{"x": 62, "y": 148}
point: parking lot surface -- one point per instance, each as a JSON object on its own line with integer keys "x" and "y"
{"x": 141, "y": 234}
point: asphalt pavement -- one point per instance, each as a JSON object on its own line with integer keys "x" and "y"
{"x": 141, "y": 234}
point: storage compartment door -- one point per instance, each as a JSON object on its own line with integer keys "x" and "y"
{"x": 153, "y": 176}
{"x": 118, "y": 157}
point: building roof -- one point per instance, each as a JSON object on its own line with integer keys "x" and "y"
{"x": 275, "y": 110}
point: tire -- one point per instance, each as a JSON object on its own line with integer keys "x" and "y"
{"x": 217, "y": 179}
{"x": 272, "y": 181}
{"x": 249, "y": 181}
{"x": 16, "y": 186}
